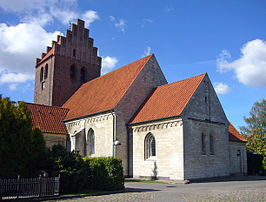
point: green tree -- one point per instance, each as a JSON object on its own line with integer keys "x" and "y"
{"x": 255, "y": 131}
{"x": 22, "y": 148}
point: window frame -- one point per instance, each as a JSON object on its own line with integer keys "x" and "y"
{"x": 149, "y": 146}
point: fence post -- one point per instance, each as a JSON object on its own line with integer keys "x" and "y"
{"x": 18, "y": 186}
{"x": 40, "y": 182}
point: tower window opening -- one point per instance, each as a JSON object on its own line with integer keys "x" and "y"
{"x": 82, "y": 75}
{"x": 74, "y": 52}
{"x": 46, "y": 71}
{"x": 41, "y": 75}
{"x": 72, "y": 72}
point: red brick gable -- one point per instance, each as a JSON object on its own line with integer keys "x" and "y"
{"x": 105, "y": 92}
{"x": 48, "y": 118}
{"x": 234, "y": 135}
{"x": 168, "y": 100}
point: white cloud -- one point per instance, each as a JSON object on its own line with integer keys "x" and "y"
{"x": 20, "y": 44}
{"x": 108, "y": 64}
{"x": 15, "y": 77}
{"x": 112, "y": 18}
{"x": 121, "y": 25}
{"x": 12, "y": 87}
{"x": 221, "y": 88}
{"x": 250, "y": 68}
{"x": 45, "y": 11}
{"x": 147, "y": 52}
{"x": 89, "y": 16}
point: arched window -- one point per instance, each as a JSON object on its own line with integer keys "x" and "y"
{"x": 91, "y": 142}
{"x": 46, "y": 71}
{"x": 41, "y": 75}
{"x": 211, "y": 143}
{"x": 82, "y": 75}
{"x": 149, "y": 146}
{"x": 72, "y": 71}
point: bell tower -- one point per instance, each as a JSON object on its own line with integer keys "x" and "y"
{"x": 71, "y": 61}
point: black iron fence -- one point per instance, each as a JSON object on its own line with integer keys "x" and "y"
{"x": 29, "y": 187}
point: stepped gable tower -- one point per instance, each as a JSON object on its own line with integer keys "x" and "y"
{"x": 71, "y": 61}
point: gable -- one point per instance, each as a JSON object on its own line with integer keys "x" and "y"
{"x": 48, "y": 118}
{"x": 205, "y": 104}
{"x": 168, "y": 100}
{"x": 105, "y": 92}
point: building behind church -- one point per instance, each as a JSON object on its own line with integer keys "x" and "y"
{"x": 176, "y": 131}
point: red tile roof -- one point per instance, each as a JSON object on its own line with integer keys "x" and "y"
{"x": 48, "y": 118}
{"x": 234, "y": 135}
{"x": 168, "y": 100}
{"x": 105, "y": 92}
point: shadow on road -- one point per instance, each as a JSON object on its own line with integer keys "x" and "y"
{"x": 230, "y": 178}
{"x": 139, "y": 190}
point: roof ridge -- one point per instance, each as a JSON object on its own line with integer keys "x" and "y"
{"x": 196, "y": 87}
{"x": 48, "y": 106}
{"x": 169, "y": 84}
{"x": 118, "y": 69}
{"x": 136, "y": 76}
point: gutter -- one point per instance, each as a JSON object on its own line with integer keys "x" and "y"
{"x": 153, "y": 120}
{"x": 114, "y": 133}
{"x": 88, "y": 115}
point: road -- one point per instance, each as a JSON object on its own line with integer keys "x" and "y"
{"x": 252, "y": 188}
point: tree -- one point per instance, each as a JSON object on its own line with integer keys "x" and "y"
{"x": 21, "y": 147}
{"x": 255, "y": 131}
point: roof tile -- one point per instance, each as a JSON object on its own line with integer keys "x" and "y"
{"x": 234, "y": 135}
{"x": 168, "y": 100}
{"x": 105, "y": 92}
{"x": 48, "y": 118}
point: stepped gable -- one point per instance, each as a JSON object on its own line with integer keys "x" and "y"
{"x": 168, "y": 100}
{"x": 63, "y": 43}
{"x": 48, "y": 118}
{"x": 234, "y": 135}
{"x": 105, "y": 92}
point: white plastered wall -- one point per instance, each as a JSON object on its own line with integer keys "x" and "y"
{"x": 168, "y": 162}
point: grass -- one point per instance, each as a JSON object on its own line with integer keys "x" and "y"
{"x": 143, "y": 181}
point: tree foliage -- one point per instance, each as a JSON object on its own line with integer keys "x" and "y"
{"x": 21, "y": 147}
{"x": 255, "y": 131}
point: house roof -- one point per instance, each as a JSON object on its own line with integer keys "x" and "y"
{"x": 48, "y": 118}
{"x": 168, "y": 100}
{"x": 105, "y": 92}
{"x": 234, "y": 135}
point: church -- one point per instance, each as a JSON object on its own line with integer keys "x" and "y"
{"x": 159, "y": 130}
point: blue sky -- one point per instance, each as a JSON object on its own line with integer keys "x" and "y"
{"x": 224, "y": 38}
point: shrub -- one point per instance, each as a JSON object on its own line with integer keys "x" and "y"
{"x": 76, "y": 173}
{"x": 105, "y": 173}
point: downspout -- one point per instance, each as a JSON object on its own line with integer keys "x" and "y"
{"x": 114, "y": 133}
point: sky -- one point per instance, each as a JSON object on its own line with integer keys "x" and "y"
{"x": 225, "y": 38}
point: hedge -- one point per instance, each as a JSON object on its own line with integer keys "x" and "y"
{"x": 77, "y": 173}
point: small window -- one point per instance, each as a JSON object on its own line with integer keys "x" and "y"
{"x": 46, "y": 71}
{"x": 82, "y": 75}
{"x": 41, "y": 75}
{"x": 43, "y": 85}
{"x": 72, "y": 71}
{"x": 74, "y": 52}
{"x": 203, "y": 143}
{"x": 211, "y": 144}
{"x": 91, "y": 142}
{"x": 149, "y": 146}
